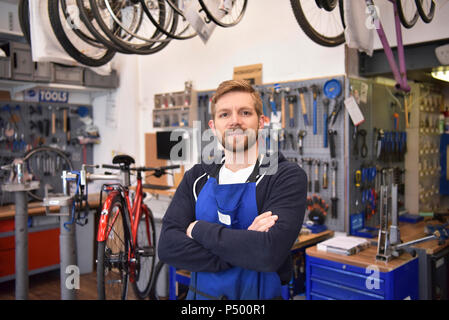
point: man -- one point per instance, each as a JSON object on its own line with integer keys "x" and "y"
{"x": 230, "y": 224}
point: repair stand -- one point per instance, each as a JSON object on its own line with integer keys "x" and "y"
{"x": 21, "y": 233}
{"x": 67, "y": 244}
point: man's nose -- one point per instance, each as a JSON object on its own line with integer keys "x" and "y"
{"x": 235, "y": 118}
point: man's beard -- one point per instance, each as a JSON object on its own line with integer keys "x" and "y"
{"x": 235, "y": 144}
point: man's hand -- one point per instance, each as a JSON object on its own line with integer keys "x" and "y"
{"x": 190, "y": 228}
{"x": 263, "y": 222}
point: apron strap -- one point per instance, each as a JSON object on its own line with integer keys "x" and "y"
{"x": 252, "y": 177}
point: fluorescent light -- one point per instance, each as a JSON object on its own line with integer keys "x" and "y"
{"x": 442, "y": 75}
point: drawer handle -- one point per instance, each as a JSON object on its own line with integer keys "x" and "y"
{"x": 343, "y": 267}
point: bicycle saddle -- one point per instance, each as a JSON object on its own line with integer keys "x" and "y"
{"x": 123, "y": 159}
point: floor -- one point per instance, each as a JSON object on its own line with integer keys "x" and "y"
{"x": 46, "y": 286}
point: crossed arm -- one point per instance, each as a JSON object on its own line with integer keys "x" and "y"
{"x": 204, "y": 246}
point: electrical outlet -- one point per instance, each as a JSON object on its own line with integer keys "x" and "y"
{"x": 442, "y": 53}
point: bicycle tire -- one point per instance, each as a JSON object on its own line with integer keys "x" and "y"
{"x": 24, "y": 19}
{"x": 39, "y": 194}
{"x": 86, "y": 17}
{"x": 153, "y": 294}
{"x": 85, "y": 37}
{"x": 143, "y": 275}
{"x": 217, "y": 20}
{"x": 67, "y": 45}
{"x": 311, "y": 32}
{"x": 407, "y": 23}
{"x": 161, "y": 28}
{"x": 138, "y": 49}
{"x": 114, "y": 264}
{"x": 427, "y": 17}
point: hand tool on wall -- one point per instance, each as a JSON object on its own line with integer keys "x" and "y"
{"x": 332, "y": 90}
{"x": 273, "y": 101}
{"x": 315, "y": 92}
{"x": 325, "y": 112}
{"x": 325, "y": 174}
{"x": 53, "y": 120}
{"x": 309, "y": 177}
{"x": 284, "y": 93}
{"x": 332, "y": 134}
{"x": 334, "y": 198}
{"x": 316, "y": 163}
{"x": 364, "y": 148}
{"x": 301, "y": 135}
{"x": 291, "y": 105}
{"x": 301, "y": 91}
{"x": 64, "y": 119}
{"x": 335, "y": 112}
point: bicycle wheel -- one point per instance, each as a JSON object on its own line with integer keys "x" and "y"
{"x": 318, "y": 23}
{"x": 153, "y": 42}
{"x": 24, "y": 19}
{"x": 227, "y": 14}
{"x": 46, "y": 165}
{"x": 426, "y": 9}
{"x": 75, "y": 47}
{"x": 145, "y": 254}
{"x": 112, "y": 255}
{"x": 407, "y": 12}
{"x": 91, "y": 24}
{"x": 183, "y": 29}
{"x": 154, "y": 295}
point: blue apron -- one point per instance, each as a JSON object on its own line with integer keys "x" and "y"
{"x": 233, "y": 206}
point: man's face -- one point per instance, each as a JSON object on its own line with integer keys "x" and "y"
{"x": 236, "y": 122}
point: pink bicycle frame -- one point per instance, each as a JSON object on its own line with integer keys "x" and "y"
{"x": 400, "y": 74}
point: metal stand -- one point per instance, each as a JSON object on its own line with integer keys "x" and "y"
{"x": 20, "y": 189}
{"x": 67, "y": 241}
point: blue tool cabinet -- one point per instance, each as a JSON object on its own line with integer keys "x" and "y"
{"x": 332, "y": 280}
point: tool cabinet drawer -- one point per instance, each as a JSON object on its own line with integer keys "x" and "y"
{"x": 332, "y": 280}
{"x": 334, "y": 290}
{"x": 351, "y": 277}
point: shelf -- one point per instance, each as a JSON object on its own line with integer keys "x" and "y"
{"x": 14, "y": 87}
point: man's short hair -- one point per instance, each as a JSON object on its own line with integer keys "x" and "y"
{"x": 237, "y": 86}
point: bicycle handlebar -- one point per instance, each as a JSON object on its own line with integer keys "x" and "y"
{"x": 107, "y": 166}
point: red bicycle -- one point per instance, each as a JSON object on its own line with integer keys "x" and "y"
{"x": 126, "y": 234}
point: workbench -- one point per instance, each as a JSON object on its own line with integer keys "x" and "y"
{"x": 43, "y": 240}
{"x": 337, "y": 276}
{"x": 433, "y": 261}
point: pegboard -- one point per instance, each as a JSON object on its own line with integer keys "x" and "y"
{"x": 313, "y": 144}
{"x": 378, "y": 103}
{"x": 28, "y": 125}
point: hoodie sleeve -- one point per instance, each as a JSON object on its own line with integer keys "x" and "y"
{"x": 262, "y": 251}
{"x": 174, "y": 247}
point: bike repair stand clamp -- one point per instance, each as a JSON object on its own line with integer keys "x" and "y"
{"x": 67, "y": 242}
{"x": 19, "y": 183}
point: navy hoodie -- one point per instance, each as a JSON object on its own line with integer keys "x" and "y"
{"x": 214, "y": 247}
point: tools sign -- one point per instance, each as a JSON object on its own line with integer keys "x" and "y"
{"x": 46, "y": 95}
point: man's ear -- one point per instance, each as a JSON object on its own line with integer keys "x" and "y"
{"x": 261, "y": 121}
{"x": 212, "y": 125}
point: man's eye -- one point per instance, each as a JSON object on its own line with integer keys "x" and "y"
{"x": 246, "y": 113}
{"x": 223, "y": 115}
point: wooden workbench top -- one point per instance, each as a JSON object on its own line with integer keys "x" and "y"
{"x": 362, "y": 259}
{"x": 413, "y": 231}
{"x": 310, "y": 239}
{"x": 36, "y": 208}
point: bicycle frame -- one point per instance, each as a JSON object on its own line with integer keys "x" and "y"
{"x": 133, "y": 211}
{"x": 399, "y": 73}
